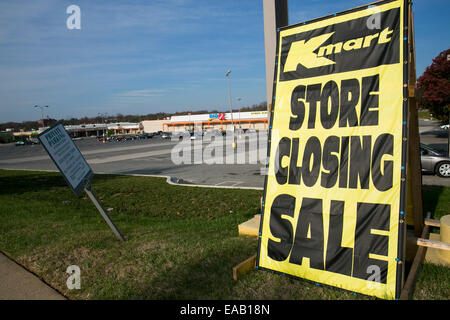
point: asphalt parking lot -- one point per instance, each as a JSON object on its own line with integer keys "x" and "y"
{"x": 146, "y": 157}
{"x": 155, "y": 157}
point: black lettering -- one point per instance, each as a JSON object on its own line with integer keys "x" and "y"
{"x": 330, "y": 162}
{"x": 330, "y": 92}
{"x": 294, "y": 171}
{"x": 297, "y": 108}
{"x": 343, "y": 163}
{"x": 360, "y": 162}
{"x": 339, "y": 259}
{"x": 371, "y": 216}
{"x": 312, "y": 148}
{"x": 281, "y": 228}
{"x": 284, "y": 148}
{"x": 312, "y": 97}
{"x": 369, "y": 101}
{"x": 383, "y": 145}
{"x": 309, "y": 245}
{"x": 347, "y": 113}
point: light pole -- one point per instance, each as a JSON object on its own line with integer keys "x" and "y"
{"x": 231, "y": 106}
{"x": 103, "y": 115}
{"x": 239, "y": 103}
{"x": 229, "y": 97}
{"x": 42, "y": 113}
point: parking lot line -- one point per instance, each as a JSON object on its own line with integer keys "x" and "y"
{"x": 233, "y": 183}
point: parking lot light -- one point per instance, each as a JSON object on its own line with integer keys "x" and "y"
{"x": 231, "y": 107}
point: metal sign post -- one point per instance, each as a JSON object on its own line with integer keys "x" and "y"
{"x": 98, "y": 205}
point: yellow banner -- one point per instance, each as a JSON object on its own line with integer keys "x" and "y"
{"x": 334, "y": 194}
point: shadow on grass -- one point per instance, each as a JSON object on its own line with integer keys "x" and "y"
{"x": 431, "y": 199}
{"x": 207, "y": 276}
{"x": 18, "y": 182}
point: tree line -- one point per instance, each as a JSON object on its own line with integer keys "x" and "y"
{"x": 29, "y": 125}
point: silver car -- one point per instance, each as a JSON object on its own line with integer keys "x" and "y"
{"x": 434, "y": 161}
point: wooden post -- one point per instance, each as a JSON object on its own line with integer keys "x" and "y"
{"x": 420, "y": 254}
{"x": 414, "y": 167}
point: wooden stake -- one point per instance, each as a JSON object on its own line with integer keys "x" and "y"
{"x": 244, "y": 267}
{"x": 410, "y": 281}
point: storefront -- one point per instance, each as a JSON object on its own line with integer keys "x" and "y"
{"x": 256, "y": 120}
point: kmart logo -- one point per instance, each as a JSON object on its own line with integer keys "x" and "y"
{"x": 311, "y": 54}
{"x": 358, "y": 43}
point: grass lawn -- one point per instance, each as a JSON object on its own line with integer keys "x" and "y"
{"x": 182, "y": 242}
{"x": 425, "y": 114}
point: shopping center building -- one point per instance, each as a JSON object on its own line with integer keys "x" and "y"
{"x": 88, "y": 130}
{"x": 256, "y": 120}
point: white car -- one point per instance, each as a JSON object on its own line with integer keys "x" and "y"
{"x": 444, "y": 127}
{"x": 196, "y": 135}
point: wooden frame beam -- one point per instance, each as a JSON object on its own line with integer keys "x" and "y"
{"x": 244, "y": 267}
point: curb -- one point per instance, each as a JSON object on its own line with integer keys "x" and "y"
{"x": 170, "y": 180}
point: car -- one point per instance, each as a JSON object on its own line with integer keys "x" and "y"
{"x": 145, "y": 136}
{"x": 165, "y": 135}
{"x": 196, "y": 135}
{"x": 34, "y": 141}
{"x": 212, "y": 133}
{"x": 434, "y": 161}
{"x": 178, "y": 135}
{"x": 25, "y": 142}
{"x": 444, "y": 127}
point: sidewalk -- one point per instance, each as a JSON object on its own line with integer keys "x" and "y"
{"x": 16, "y": 283}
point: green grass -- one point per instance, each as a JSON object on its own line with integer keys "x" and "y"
{"x": 432, "y": 283}
{"x": 436, "y": 200}
{"x": 425, "y": 114}
{"x": 182, "y": 242}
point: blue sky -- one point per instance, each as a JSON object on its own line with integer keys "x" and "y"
{"x": 139, "y": 57}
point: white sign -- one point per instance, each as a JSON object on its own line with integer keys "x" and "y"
{"x": 66, "y": 156}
